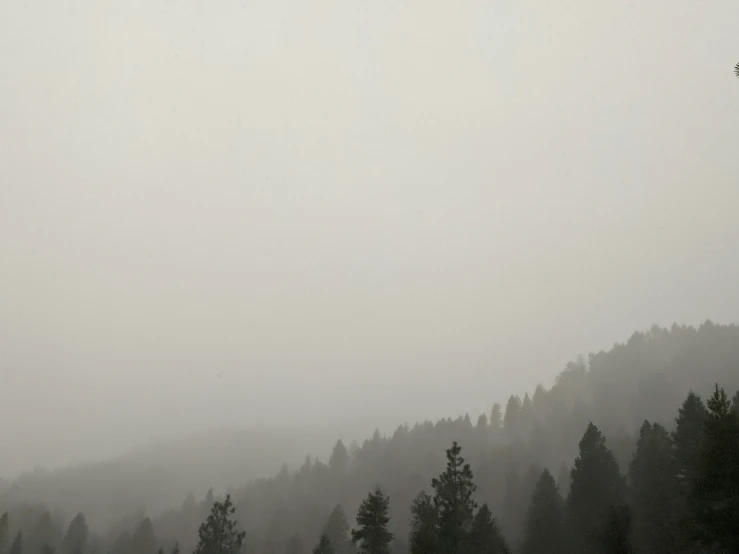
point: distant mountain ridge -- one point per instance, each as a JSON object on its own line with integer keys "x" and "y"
{"x": 646, "y": 377}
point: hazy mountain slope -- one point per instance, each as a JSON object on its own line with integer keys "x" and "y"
{"x": 160, "y": 476}
{"x": 647, "y": 377}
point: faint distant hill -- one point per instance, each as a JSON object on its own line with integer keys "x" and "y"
{"x": 645, "y": 377}
{"x": 160, "y": 476}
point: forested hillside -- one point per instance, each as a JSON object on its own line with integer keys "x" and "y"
{"x": 620, "y": 454}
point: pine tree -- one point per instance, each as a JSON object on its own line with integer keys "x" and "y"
{"x": 688, "y": 438}
{"x": 595, "y": 486}
{"x": 218, "y": 534}
{"x": 294, "y": 545}
{"x": 44, "y": 531}
{"x": 485, "y": 536}
{"x": 715, "y": 498}
{"x": 46, "y": 549}
{"x": 75, "y": 541}
{"x": 512, "y": 417}
{"x": 617, "y": 535}
{"x": 3, "y": 531}
{"x": 453, "y": 501}
{"x": 336, "y": 530}
{"x": 17, "y": 546}
{"x": 143, "y": 541}
{"x": 496, "y": 417}
{"x": 424, "y": 537}
{"x": 339, "y": 461}
{"x": 176, "y": 549}
{"x": 544, "y": 527}
{"x": 372, "y": 519}
{"x": 651, "y": 473}
{"x": 324, "y": 546}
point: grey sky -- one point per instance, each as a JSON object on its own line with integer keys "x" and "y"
{"x": 344, "y": 212}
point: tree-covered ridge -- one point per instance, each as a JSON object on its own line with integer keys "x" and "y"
{"x": 560, "y": 430}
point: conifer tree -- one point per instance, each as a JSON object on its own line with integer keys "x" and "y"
{"x": 324, "y": 546}
{"x": 336, "y": 530}
{"x": 651, "y": 474}
{"x": 496, "y": 417}
{"x": 339, "y": 460}
{"x": 485, "y": 536}
{"x": 512, "y": 416}
{"x": 715, "y": 498}
{"x": 3, "y": 531}
{"x": 372, "y": 535}
{"x": 544, "y": 527}
{"x": 218, "y": 534}
{"x": 143, "y": 540}
{"x": 424, "y": 537}
{"x": 688, "y": 438}
{"x": 687, "y": 441}
{"x": 595, "y": 486}
{"x": 46, "y": 549}
{"x": 294, "y": 545}
{"x": 75, "y": 541}
{"x": 617, "y": 534}
{"x": 17, "y": 546}
{"x": 44, "y": 531}
{"x": 453, "y": 501}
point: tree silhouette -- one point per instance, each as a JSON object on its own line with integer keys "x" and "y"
{"x": 218, "y": 535}
{"x": 372, "y": 519}
{"x": 453, "y": 501}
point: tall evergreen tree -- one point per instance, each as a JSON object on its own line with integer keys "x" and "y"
{"x": 595, "y": 486}
{"x": 143, "y": 540}
{"x": 339, "y": 460}
{"x": 496, "y": 417}
{"x": 75, "y": 541}
{"x": 294, "y": 545}
{"x": 324, "y": 546}
{"x": 617, "y": 533}
{"x": 424, "y": 537}
{"x": 453, "y": 501}
{"x": 218, "y": 534}
{"x": 372, "y": 519}
{"x": 652, "y": 476}
{"x": 485, "y": 536}
{"x": 544, "y": 528}
{"x": 688, "y": 438}
{"x": 17, "y": 546}
{"x": 44, "y": 531}
{"x": 3, "y": 531}
{"x": 716, "y": 492}
{"x": 336, "y": 530}
{"x": 512, "y": 416}
{"x": 46, "y": 549}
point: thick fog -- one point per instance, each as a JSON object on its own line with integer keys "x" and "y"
{"x": 289, "y": 214}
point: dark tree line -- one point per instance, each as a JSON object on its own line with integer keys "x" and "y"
{"x": 680, "y": 494}
{"x": 545, "y": 478}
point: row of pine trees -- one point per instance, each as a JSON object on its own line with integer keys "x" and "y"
{"x": 679, "y": 495}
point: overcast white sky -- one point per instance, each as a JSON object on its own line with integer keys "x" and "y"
{"x": 346, "y": 212}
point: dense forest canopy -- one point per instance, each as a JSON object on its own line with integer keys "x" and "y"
{"x": 619, "y": 453}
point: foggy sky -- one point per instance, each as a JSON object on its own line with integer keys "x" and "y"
{"x": 346, "y": 214}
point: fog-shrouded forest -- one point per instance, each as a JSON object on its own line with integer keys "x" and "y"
{"x": 634, "y": 449}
